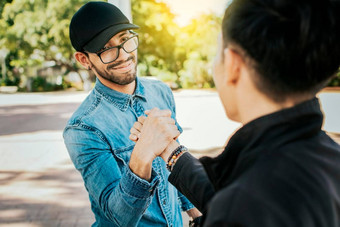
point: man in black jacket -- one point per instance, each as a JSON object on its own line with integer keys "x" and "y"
{"x": 280, "y": 168}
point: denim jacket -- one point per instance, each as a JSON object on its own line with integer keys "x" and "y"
{"x": 97, "y": 139}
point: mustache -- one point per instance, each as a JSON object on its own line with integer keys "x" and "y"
{"x": 120, "y": 62}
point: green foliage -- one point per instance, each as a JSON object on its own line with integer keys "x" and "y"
{"x": 10, "y": 80}
{"x": 36, "y": 32}
{"x": 157, "y": 35}
{"x": 198, "y": 40}
{"x": 172, "y": 53}
{"x": 41, "y": 84}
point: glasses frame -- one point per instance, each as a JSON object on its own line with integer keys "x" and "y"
{"x": 120, "y": 46}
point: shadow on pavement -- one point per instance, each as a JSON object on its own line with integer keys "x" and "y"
{"x": 32, "y": 118}
{"x": 20, "y": 213}
{"x": 54, "y": 197}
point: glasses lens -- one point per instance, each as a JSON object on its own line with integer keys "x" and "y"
{"x": 109, "y": 55}
{"x": 131, "y": 44}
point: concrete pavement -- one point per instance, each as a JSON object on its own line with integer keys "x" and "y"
{"x": 38, "y": 183}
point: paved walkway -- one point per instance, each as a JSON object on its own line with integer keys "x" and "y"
{"x": 39, "y": 185}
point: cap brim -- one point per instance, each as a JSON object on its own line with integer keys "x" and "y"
{"x": 98, "y": 42}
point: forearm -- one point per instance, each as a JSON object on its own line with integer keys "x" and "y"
{"x": 190, "y": 178}
{"x": 120, "y": 194}
{"x": 127, "y": 201}
{"x": 140, "y": 164}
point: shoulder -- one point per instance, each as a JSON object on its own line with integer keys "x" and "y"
{"x": 85, "y": 109}
{"x": 80, "y": 121}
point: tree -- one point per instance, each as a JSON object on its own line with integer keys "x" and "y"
{"x": 198, "y": 40}
{"x": 181, "y": 54}
{"x": 158, "y": 34}
{"x": 36, "y": 31}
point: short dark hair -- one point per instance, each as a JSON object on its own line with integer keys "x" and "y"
{"x": 294, "y": 44}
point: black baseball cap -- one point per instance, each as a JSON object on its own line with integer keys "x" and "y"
{"x": 95, "y": 23}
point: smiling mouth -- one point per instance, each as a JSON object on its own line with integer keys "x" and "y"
{"x": 125, "y": 67}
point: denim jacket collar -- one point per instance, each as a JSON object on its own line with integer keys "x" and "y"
{"x": 119, "y": 99}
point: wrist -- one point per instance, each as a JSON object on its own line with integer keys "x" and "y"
{"x": 194, "y": 213}
{"x": 175, "y": 155}
{"x": 143, "y": 153}
{"x": 170, "y": 148}
{"x": 141, "y": 163}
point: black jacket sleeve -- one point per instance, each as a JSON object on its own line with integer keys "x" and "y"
{"x": 190, "y": 178}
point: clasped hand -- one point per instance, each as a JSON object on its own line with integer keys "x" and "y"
{"x": 154, "y": 133}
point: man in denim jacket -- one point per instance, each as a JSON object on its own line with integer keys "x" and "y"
{"x": 124, "y": 189}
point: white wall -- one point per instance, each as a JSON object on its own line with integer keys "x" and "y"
{"x": 124, "y": 6}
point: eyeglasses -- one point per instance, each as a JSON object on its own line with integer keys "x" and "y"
{"x": 111, "y": 54}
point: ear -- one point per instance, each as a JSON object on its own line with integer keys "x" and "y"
{"x": 233, "y": 63}
{"x": 83, "y": 60}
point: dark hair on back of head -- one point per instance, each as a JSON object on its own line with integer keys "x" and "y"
{"x": 294, "y": 44}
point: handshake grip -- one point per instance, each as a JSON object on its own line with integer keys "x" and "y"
{"x": 155, "y": 131}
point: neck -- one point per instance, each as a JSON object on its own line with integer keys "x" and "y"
{"x": 127, "y": 89}
{"x": 259, "y": 105}
{"x": 252, "y": 103}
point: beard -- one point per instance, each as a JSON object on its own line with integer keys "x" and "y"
{"x": 121, "y": 78}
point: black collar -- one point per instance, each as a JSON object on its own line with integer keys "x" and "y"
{"x": 259, "y": 135}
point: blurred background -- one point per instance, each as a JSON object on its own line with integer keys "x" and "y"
{"x": 41, "y": 85}
{"x": 177, "y": 43}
